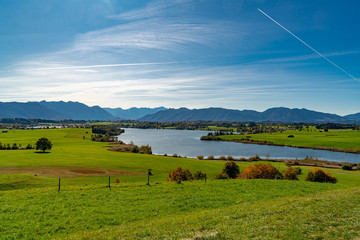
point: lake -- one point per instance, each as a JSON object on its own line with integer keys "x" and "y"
{"x": 188, "y": 143}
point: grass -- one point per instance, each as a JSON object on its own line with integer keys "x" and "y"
{"x": 44, "y": 213}
{"x": 31, "y": 208}
{"x": 306, "y": 217}
{"x": 342, "y": 139}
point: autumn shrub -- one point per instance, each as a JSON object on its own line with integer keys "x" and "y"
{"x": 200, "y": 157}
{"x": 222, "y": 158}
{"x": 243, "y": 159}
{"x": 255, "y": 158}
{"x": 290, "y": 174}
{"x": 261, "y": 170}
{"x": 229, "y": 158}
{"x": 221, "y": 175}
{"x": 347, "y": 167}
{"x": 180, "y": 174}
{"x": 117, "y": 180}
{"x": 318, "y": 175}
{"x": 198, "y": 175}
{"x": 231, "y": 169}
{"x": 211, "y": 157}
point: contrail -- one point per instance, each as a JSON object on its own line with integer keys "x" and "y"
{"x": 320, "y": 54}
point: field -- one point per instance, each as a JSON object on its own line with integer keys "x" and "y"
{"x": 85, "y": 208}
{"x": 339, "y": 139}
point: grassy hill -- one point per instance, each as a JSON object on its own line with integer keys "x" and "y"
{"x": 341, "y": 139}
{"x": 31, "y": 207}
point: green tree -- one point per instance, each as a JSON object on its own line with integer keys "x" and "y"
{"x": 43, "y": 144}
{"x": 231, "y": 169}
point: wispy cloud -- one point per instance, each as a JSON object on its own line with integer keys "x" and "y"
{"x": 307, "y": 57}
{"x": 153, "y": 9}
{"x": 154, "y": 34}
{"x": 88, "y": 67}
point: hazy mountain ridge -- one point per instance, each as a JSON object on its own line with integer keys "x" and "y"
{"x": 60, "y": 110}
{"x": 355, "y": 116}
{"x": 79, "y": 111}
{"x": 53, "y": 111}
{"x": 132, "y": 113}
{"x": 279, "y": 114}
{"x": 27, "y": 110}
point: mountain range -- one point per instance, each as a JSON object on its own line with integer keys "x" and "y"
{"x": 78, "y": 111}
{"x": 132, "y": 113}
{"x": 279, "y": 114}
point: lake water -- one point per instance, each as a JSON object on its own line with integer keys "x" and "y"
{"x": 188, "y": 143}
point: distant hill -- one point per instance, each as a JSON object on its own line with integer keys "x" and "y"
{"x": 299, "y": 115}
{"x": 132, "y": 113}
{"x": 220, "y": 114}
{"x": 28, "y": 110}
{"x": 53, "y": 111}
{"x": 78, "y": 111}
{"x": 355, "y": 116}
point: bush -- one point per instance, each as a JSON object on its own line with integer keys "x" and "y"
{"x": 222, "y": 158}
{"x": 298, "y": 170}
{"x": 221, "y": 175}
{"x": 230, "y": 158}
{"x": 145, "y": 149}
{"x": 180, "y": 174}
{"x": 200, "y": 157}
{"x": 289, "y": 163}
{"x": 347, "y": 167}
{"x": 231, "y": 169}
{"x": 318, "y": 175}
{"x": 290, "y": 174}
{"x": 211, "y": 157}
{"x": 261, "y": 170}
{"x": 117, "y": 180}
{"x": 243, "y": 159}
{"x": 255, "y": 158}
{"x": 358, "y": 166}
{"x": 135, "y": 149}
{"x": 198, "y": 175}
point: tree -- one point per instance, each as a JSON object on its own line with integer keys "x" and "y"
{"x": 231, "y": 169}
{"x": 43, "y": 144}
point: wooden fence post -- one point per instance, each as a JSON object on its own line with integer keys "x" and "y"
{"x": 109, "y": 183}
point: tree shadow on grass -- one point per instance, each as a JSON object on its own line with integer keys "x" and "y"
{"x": 41, "y": 152}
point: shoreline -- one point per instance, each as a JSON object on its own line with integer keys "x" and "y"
{"x": 353, "y": 151}
{"x": 288, "y": 162}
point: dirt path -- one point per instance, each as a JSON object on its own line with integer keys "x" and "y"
{"x": 67, "y": 171}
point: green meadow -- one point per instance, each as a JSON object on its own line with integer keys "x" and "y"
{"x": 85, "y": 208}
{"x": 342, "y": 139}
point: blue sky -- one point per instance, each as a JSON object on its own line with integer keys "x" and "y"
{"x": 181, "y": 53}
